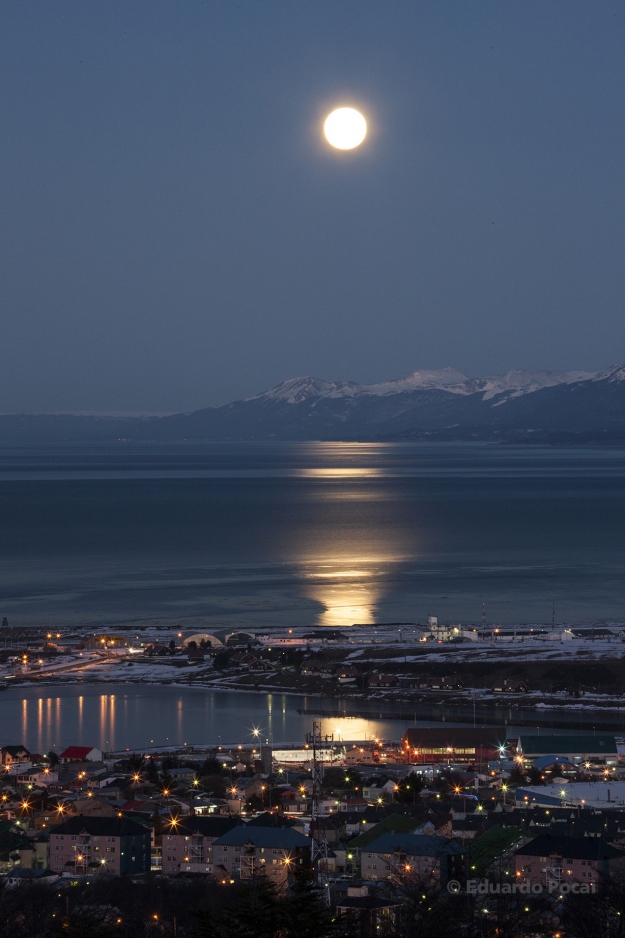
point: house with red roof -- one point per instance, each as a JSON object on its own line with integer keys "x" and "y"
{"x": 80, "y": 754}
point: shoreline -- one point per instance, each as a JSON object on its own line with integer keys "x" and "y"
{"x": 523, "y": 712}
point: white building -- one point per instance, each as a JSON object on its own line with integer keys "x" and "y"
{"x": 604, "y": 795}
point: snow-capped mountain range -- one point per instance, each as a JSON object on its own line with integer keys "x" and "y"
{"x": 519, "y": 406}
{"x": 512, "y": 384}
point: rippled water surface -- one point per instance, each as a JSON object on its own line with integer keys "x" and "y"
{"x": 244, "y": 535}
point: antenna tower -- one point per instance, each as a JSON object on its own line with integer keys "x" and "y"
{"x": 319, "y": 844}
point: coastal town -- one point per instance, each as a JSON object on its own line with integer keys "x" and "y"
{"x": 508, "y": 796}
{"x": 445, "y": 808}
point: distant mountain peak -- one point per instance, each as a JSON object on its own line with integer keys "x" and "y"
{"x": 614, "y": 373}
{"x": 296, "y": 390}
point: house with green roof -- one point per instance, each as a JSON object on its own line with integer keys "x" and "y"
{"x": 598, "y": 747}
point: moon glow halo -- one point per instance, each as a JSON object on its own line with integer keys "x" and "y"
{"x": 345, "y": 128}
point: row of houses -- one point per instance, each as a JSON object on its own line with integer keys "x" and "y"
{"x": 349, "y": 674}
{"x": 18, "y": 755}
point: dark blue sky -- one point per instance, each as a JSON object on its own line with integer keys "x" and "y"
{"x": 174, "y": 233}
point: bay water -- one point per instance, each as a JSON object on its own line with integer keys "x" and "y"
{"x": 269, "y": 535}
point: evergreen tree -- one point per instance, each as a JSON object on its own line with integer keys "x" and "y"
{"x": 259, "y": 912}
{"x": 207, "y": 925}
{"x": 81, "y": 923}
{"x": 152, "y": 772}
{"x": 135, "y": 762}
{"x": 306, "y": 914}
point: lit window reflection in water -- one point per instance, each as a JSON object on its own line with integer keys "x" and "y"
{"x": 40, "y": 724}
{"x": 164, "y": 716}
{"x": 107, "y": 721}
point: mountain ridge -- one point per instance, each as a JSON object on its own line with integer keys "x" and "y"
{"x": 444, "y": 405}
{"x": 518, "y": 381}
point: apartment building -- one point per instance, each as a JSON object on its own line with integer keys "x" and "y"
{"x": 108, "y": 844}
{"x": 413, "y": 856}
{"x": 550, "y": 861}
{"x": 247, "y": 851}
{"x": 188, "y": 843}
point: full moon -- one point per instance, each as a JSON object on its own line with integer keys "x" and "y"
{"x": 345, "y": 128}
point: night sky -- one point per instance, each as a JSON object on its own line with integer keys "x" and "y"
{"x": 175, "y": 232}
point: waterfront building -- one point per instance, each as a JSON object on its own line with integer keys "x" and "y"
{"x": 14, "y": 755}
{"x": 382, "y": 680}
{"x": 443, "y": 633}
{"x": 80, "y": 754}
{"x": 453, "y": 744}
{"x": 600, "y": 747}
{"x": 605, "y": 795}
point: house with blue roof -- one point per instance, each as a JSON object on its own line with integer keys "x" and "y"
{"x": 247, "y": 851}
{"x": 420, "y": 857}
{"x": 552, "y": 763}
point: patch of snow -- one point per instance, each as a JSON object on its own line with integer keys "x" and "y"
{"x": 447, "y": 378}
{"x": 614, "y": 374}
{"x": 295, "y": 390}
{"x": 516, "y": 383}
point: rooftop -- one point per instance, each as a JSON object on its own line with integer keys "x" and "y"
{"x": 101, "y": 826}
{"x": 575, "y": 848}
{"x": 284, "y": 838}
{"x": 607, "y": 795}
{"x": 416, "y": 845}
{"x": 206, "y": 826}
{"x": 544, "y": 745}
{"x": 77, "y": 752}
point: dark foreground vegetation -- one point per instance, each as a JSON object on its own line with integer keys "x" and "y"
{"x": 110, "y": 907}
